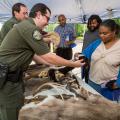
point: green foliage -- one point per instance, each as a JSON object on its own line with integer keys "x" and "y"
{"x": 50, "y": 27}
{"x": 117, "y": 20}
{"x": 80, "y": 29}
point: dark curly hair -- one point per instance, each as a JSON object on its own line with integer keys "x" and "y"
{"x": 94, "y": 17}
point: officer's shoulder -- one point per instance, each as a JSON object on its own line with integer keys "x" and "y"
{"x": 10, "y": 22}
{"x": 25, "y": 26}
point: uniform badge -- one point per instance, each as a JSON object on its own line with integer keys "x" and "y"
{"x": 37, "y": 35}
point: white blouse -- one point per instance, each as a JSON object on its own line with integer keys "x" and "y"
{"x": 104, "y": 63}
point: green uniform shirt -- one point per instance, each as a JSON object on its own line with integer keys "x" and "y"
{"x": 21, "y": 43}
{"x": 8, "y": 25}
{"x": 17, "y": 50}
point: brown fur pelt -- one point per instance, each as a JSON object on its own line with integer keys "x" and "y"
{"x": 94, "y": 108}
{"x": 32, "y": 84}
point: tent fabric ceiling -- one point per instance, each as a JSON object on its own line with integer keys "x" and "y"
{"x": 77, "y": 11}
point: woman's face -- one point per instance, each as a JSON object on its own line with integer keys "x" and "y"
{"x": 106, "y": 34}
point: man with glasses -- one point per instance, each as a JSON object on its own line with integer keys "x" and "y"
{"x": 19, "y": 13}
{"x": 27, "y": 45}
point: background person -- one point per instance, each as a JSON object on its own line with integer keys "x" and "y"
{"x": 64, "y": 49}
{"x": 67, "y": 36}
{"x": 91, "y": 34}
{"x": 19, "y": 13}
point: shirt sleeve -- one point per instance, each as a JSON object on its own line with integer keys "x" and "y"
{"x": 5, "y": 29}
{"x": 90, "y": 49}
{"x": 118, "y": 79}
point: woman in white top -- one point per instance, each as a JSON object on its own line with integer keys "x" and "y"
{"x": 104, "y": 56}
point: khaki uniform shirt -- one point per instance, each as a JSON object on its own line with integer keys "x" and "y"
{"x": 8, "y": 25}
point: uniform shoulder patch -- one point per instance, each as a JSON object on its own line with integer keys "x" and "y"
{"x": 37, "y": 35}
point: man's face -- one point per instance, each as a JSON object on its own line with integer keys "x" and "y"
{"x": 93, "y": 25}
{"x": 43, "y": 19}
{"x": 62, "y": 20}
{"x": 22, "y": 14}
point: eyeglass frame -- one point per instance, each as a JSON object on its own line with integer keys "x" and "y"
{"x": 48, "y": 18}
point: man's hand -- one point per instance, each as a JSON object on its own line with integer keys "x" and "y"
{"x": 79, "y": 63}
{"x": 112, "y": 85}
{"x": 79, "y": 56}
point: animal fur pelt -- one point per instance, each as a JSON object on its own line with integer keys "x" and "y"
{"x": 94, "y": 108}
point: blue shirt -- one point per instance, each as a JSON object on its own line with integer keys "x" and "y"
{"x": 66, "y": 31}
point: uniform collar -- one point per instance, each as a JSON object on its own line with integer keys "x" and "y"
{"x": 14, "y": 18}
{"x": 31, "y": 21}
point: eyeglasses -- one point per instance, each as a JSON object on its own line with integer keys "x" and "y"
{"x": 48, "y": 18}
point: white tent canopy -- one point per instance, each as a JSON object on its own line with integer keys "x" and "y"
{"x": 77, "y": 11}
